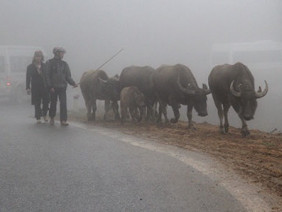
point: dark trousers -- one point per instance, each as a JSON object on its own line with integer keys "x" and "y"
{"x": 61, "y": 93}
{"x": 38, "y": 102}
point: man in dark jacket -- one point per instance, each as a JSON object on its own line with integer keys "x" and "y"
{"x": 58, "y": 75}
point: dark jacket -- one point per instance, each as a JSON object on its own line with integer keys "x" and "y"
{"x": 58, "y": 74}
{"x": 36, "y": 82}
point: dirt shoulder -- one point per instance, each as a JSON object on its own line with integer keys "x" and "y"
{"x": 257, "y": 158}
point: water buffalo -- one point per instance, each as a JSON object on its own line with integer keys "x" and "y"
{"x": 233, "y": 85}
{"x": 96, "y": 85}
{"x": 176, "y": 85}
{"x": 131, "y": 98}
{"x": 140, "y": 77}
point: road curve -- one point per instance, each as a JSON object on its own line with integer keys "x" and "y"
{"x": 45, "y": 168}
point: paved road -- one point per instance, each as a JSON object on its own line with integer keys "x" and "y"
{"x": 44, "y": 168}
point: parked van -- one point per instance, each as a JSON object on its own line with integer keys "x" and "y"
{"x": 13, "y": 63}
{"x": 264, "y": 58}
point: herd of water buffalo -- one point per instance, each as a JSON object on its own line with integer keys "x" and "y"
{"x": 139, "y": 89}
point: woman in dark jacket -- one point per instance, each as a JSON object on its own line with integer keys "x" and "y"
{"x": 36, "y": 85}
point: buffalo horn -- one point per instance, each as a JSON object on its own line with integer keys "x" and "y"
{"x": 183, "y": 89}
{"x": 101, "y": 80}
{"x": 235, "y": 93}
{"x": 260, "y": 94}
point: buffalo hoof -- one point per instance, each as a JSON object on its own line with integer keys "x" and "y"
{"x": 224, "y": 130}
{"x": 117, "y": 118}
{"x": 221, "y": 130}
{"x": 191, "y": 127}
{"x": 91, "y": 118}
{"x": 173, "y": 120}
{"x": 245, "y": 132}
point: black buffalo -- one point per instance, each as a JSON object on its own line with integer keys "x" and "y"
{"x": 96, "y": 85}
{"x": 233, "y": 85}
{"x": 176, "y": 85}
{"x": 140, "y": 77}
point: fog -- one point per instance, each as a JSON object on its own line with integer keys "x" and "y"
{"x": 151, "y": 33}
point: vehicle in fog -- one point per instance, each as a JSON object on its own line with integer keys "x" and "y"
{"x": 260, "y": 54}
{"x": 264, "y": 58}
{"x": 13, "y": 63}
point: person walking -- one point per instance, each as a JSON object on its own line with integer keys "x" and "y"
{"x": 58, "y": 76}
{"x": 36, "y": 86}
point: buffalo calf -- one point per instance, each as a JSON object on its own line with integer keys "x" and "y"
{"x": 131, "y": 98}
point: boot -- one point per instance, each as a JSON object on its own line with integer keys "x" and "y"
{"x": 45, "y": 118}
{"x": 52, "y": 121}
{"x": 64, "y": 123}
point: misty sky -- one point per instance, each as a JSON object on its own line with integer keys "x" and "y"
{"x": 152, "y": 32}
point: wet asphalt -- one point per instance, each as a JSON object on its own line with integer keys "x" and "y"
{"x": 54, "y": 168}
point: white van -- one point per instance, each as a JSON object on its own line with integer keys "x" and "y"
{"x": 13, "y": 63}
{"x": 264, "y": 58}
{"x": 261, "y": 54}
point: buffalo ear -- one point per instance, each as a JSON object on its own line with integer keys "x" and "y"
{"x": 116, "y": 77}
{"x": 206, "y": 90}
{"x": 135, "y": 95}
{"x": 259, "y": 90}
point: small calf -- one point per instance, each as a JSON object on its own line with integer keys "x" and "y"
{"x": 133, "y": 99}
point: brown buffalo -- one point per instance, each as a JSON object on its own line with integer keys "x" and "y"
{"x": 131, "y": 98}
{"x": 96, "y": 85}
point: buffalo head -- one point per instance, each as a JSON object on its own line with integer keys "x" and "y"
{"x": 111, "y": 87}
{"x": 247, "y": 98}
{"x": 198, "y": 96}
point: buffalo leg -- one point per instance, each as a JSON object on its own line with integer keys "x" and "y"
{"x": 226, "y": 123}
{"x": 94, "y": 108}
{"x": 175, "y": 109}
{"x": 159, "y": 119}
{"x": 244, "y": 131}
{"x": 89, "y": 108}
{"x": 107, "y": 108}
{"x": 123, "y": 111}
{"x": 220, "y": 114}
{"x": 141, "y": 113}
{"x": 189, "y": 116}
{"x": 148, "y": 109}
{"x": 155, "y": 111}
{"x": 162, "y": 111}
{"x": 149, "y": 114}
{"x": 115, "y": 108}
{"x": 87, "y": 100}
{"x": 133, "y": 114}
